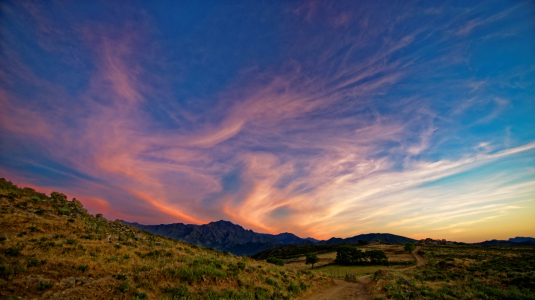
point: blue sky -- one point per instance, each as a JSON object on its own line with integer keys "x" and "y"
{"x": 318, "y": 118}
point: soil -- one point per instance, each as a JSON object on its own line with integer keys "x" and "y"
{"x": 354, "y": 291}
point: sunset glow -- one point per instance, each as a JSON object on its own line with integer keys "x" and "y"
{"x": 320, "y": 118}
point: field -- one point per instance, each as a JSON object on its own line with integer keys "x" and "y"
{"x": 462, "y": 272}
{"x": 395, "y": 253}
{"x": 51, "y": 248}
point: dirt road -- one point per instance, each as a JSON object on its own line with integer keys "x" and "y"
{"x": 355, "y": 291}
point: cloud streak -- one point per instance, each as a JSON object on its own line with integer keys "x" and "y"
{"x": 363, "y": 134}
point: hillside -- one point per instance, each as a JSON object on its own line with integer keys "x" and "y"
{"x": 505, "y": 243}
{"x": 369, "y": 237}
{"x": 51, "y": 248}
{"x": 222, "y": 236}
{"x": 520, "y": 239}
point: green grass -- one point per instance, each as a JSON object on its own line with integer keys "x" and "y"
{"x": 338, "y": 270}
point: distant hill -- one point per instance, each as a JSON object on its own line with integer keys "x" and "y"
{"x": 369, "y": 237}
{"x": 232, "y": 238}
{"x": 520, "y": 239}
{"x": 508, "y": 243}
{"x": 222, "y": 236}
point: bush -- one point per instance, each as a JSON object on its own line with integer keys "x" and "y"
{"x": 124, "y": 287}
{"x": 6, "y": 272}
{"x": 65, "y": 210}
{"x": 58, "y": 197}
{"x": 83, "y": 268}
{"x": 70, "y": 220}
{"x": 177, "y": 292}
{"x": 303, "y": 286}
{"x": 12, "y": 251}
{"x": 294, "y": 288}
{"x": 275, "y": 261}
{"x": 33, "y": 262}
{"x": 71, "y": 241}
{"x": 41, "y": 286}
{"x": 272, "y": 281}
{"x": 140, "y": 295}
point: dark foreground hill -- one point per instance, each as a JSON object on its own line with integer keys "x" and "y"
{"x": 223, "y": 236}
{"x": 51, "y": 248}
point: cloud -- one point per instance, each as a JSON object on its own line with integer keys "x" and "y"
{"x": 337, "y": 141}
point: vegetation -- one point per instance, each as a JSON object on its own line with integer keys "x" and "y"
{"x": 462, "y": 272}
{"x": 45, "y": 255}
{"x": 349, "y": 255}
{"x": 294, "y": 251}
{"x": 312, "y": 259}
{"x": 275, "y": 261}
{"x": 409, "y": 246}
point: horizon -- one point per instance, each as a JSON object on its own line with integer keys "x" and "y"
{"x": 320, "y": 119}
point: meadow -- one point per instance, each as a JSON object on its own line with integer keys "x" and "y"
{"x": 397, "y": 256}
{"x": 462, "y": 272}
{"x": 51, "y": 248}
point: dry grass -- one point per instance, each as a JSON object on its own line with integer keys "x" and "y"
{"x": 48, "y": 255}
{"x": 325, "y": 265}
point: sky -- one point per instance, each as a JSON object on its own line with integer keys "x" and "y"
{"x": 320, "y": 118}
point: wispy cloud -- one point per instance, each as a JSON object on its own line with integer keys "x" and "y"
{"x": 335, "y": 141}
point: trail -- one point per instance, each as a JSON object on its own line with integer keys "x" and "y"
{"x": 355, "y": 291}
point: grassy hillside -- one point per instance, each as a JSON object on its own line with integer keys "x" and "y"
{"x": 462, "y": 272}
{"x": 52, "y": 248}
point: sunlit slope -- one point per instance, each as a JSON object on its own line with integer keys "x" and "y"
{"x": 52, "y": 248}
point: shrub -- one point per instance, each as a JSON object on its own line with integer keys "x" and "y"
{"x": 33, "y": 229}
{"x": 35, "y": 199}
{"x": 70, "y": 220}
{"x": 83, "y": 268}
{"x": 272, "y": 281}
{"x": 177, "y": 292}
{"x": 294, "y": 288}
{"x": 241, "y": 265}
{"x": 41, "y": 286}
{"x": 124, "y": 287}
{"x": 6, "y": 272}
{"x": 33, "y": 262}
{"x": 120, "y": 276}
{"x": 275, "y": 261}
{"x": 58, "y": 196}
{"x": 71, "y": 241}
{"x": 303, "y": 286}
{"x": 65, "y": 210}
{"x": 12, "y": 251}
{"x": 140, "y": 295}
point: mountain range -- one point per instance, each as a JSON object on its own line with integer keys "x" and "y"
{"x": 232, "y": 238}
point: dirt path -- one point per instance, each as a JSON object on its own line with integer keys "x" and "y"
{"x": 354, "y": 291}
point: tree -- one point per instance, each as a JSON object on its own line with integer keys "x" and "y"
{"x": 312, "y": 258}
{"x": 376, "y": 257}
{"x": 409, "y": 246}
{"x": 349, "y": 255}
